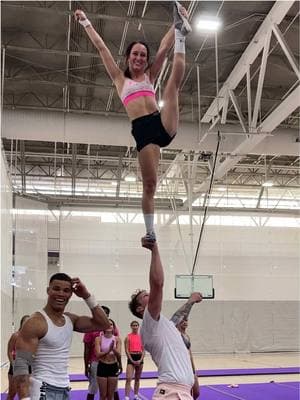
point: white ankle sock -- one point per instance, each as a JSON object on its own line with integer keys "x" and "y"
{"x": 179, "y": 42}
{"x": 149, "y": 222}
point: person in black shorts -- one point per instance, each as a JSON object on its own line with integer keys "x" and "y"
{"x": 151, "y": 128}
{"x": 108, "y": 352}
{"x": 135, "y": 359}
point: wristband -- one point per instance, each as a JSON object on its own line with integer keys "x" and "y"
{"x": 91, "y": 302}
{"x": 85, "y": 22}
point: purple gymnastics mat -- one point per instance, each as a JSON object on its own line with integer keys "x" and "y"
{"x": 211, "y": 372}
{"x": 249, "y": 391}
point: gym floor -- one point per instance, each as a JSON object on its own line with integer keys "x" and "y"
{"x": 205, "y": 362}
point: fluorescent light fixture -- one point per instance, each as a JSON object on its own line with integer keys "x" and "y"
{"x": 268, "y": 184}
{"x": 208, "y": 24}
{"x": 221, "y": 189}
{"x": 130, "y": 178}
{"x": 114, "y": 183}
{"x": 161, "y": 103}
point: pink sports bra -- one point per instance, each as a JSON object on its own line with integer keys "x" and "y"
{"x": 132, "y": 89}
{"x": 106, "y": 342}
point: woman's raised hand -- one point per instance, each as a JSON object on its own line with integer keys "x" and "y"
{"x": 79, "y": 15}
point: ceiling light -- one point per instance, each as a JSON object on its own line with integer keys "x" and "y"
{"x": 268, "y": 184}
{"x": 130, "y": 178}
{"x": 221, "y": 189}
{"x": 208, "y": 24}
{"x": 113, "y": 183}
{"x": 161, "y": 103}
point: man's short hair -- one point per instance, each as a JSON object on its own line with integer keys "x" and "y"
{"x": 106, "y": 310}
{"x": 60, "y": 276}
{"x": 134, "y": 304}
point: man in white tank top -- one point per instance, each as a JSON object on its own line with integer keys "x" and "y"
{"x": 44, "y": 341}
{"x": 160, "y": 336}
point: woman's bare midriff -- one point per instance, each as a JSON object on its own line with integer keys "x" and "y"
{"x": 140, "y": 107}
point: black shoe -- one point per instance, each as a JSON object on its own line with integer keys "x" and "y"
{"x": 180, "y": 22}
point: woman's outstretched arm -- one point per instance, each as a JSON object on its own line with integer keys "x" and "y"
{"x": 111, "y": 67}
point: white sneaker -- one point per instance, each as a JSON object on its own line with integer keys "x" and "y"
{"x": 180, "y": 22}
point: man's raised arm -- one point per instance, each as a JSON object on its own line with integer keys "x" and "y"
{"x": 156, "y": 281}
{"x": 184, "y": 311}
{"x": 98, "y": 321}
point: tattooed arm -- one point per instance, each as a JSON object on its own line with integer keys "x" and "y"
{"x": 184, "y": 311}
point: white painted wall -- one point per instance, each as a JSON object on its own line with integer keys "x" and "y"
{"x": 31, "y": 249}
{"x": 248, "y": 263}
{"x": 6, "y": 258}
{"x": 256, "y": 277}
{"x": 255, "y": 269}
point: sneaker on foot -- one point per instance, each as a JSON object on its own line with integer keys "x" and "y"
{"x": 137, "y": 397}
{"x": 149, "y": 240}
{"x": 180, "y": 22}
{"x": 150, "y": 237}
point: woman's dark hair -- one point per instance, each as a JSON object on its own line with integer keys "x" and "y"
{"x": 113, "y": 323}
{"x": 106, "y": 310}
{"x": 134, "y": 323}
{"x": 127, "y": 54}
{"x": 23, "y": 320}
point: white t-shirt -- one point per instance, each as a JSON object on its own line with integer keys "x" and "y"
{"x": 164, "y": 342}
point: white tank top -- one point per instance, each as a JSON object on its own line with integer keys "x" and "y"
{"x": 50, "y": 364}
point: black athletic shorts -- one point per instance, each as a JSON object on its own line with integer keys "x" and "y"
{"x": 107, "y": 370}
{"x": 135, "y": 357}
{"x": 149, "y": 129}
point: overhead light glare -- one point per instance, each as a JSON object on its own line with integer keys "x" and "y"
{"x": 208, "y": 24}
{"x": 130, "y": 178}
{"x": 161, "y": 103}
{"x": 268, "y": 184}
{"x": 221, "y": 189}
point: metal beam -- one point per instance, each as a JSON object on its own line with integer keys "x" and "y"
{"x": 276, "y": 15}
{"x": 173, "y": 169}
{"x": 56, "y": 13}
{"x": 238, "y": 110}
{"x": 261, "y": 79}
{"x": 286, "y": 49}
{"x": 288, "y": 105}
{"x": 74, "y": 169}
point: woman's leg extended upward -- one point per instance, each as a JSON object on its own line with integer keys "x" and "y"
{"x": 149, "y": 155}
{"x": 170, "y": 110}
